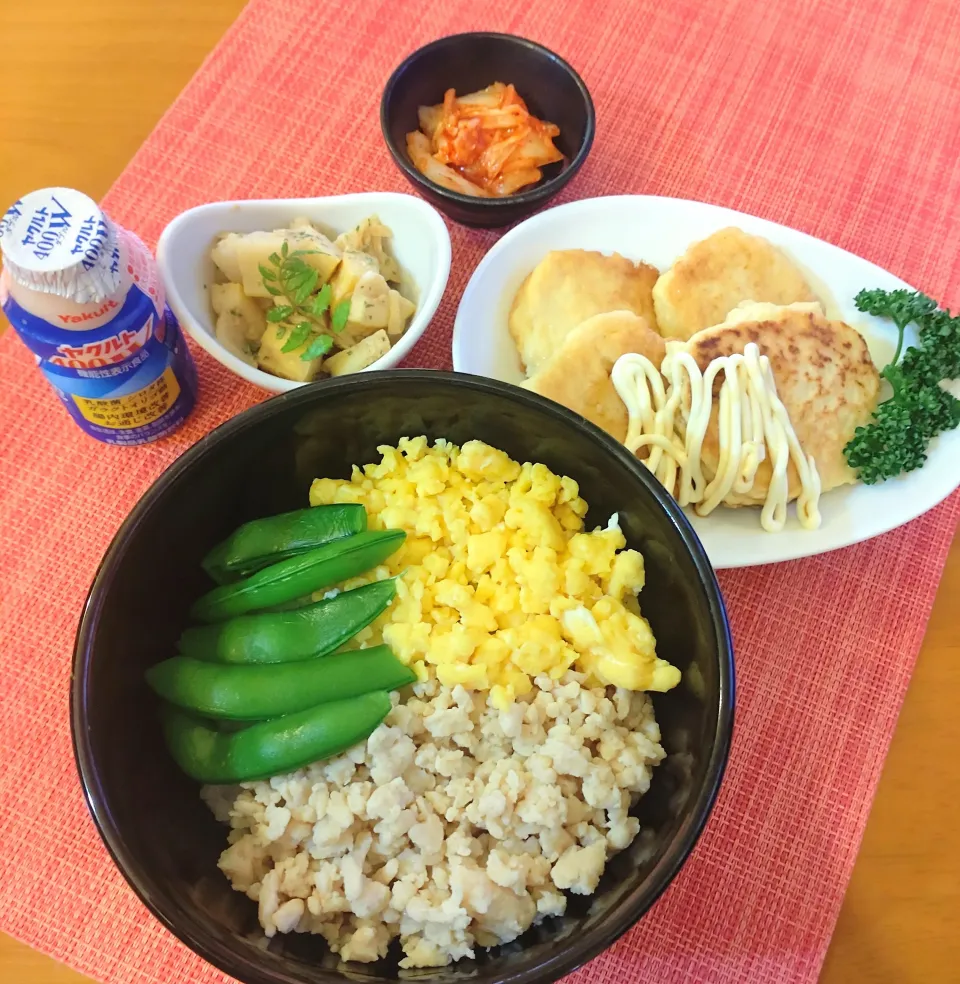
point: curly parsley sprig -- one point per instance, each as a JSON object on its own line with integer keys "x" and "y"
{"x": 896, "y": 439}
{"x": 290, "y": 277}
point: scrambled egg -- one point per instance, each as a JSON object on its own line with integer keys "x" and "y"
{"x": 498, "y": 582}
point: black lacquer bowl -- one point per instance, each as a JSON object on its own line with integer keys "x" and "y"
{"x": 551, "y": 88}
{"x": 164, "y": 839}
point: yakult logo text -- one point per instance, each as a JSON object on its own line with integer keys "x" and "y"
{"x": 77, "y": 319}
{"x": 103, "y": 353}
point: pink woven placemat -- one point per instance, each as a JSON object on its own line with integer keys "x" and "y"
{"x": 838, "y": 118}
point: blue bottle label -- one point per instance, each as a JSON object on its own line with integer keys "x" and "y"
{"x": 130, "y": 378}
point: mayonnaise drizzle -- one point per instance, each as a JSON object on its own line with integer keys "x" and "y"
{"x": 753, "y": 423}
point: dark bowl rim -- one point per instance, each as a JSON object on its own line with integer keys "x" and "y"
{"x": 542, "y": 190}
{"x": 569, "y": 956}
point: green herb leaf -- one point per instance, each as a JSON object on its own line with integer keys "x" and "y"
{"x": 322, "y": 301}
{"x": 279, "y": 313}
{"x": 275, "y": 291}
{"x": 319, "y": 346}
{"x": 281, "y": 330}
{"x": 341, "y": 314}
{"x": 304, "y": 252}
{"x": 294, "y": 274}
{"x": 275, "y": 258}
{"x": 284, "y": 249}
{"x": 896, "y": 438}
{"x": 900, "y": 306}
{"x": 298, "y": 335}
{"x": 306, "y": 287}
{"x": 266, "y": 272}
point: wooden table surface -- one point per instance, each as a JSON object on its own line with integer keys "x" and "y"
{"x": 82, "y": 84}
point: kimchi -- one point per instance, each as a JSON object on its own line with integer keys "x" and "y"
{"x": 485, "y": 144}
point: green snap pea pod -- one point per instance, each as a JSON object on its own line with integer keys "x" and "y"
{"x": 258, "y": 544}
{"x": 270, "y": 748}
{"x": 251, "y": 693}
{"x": 298, "y": 576}
{"x": 285, "y": 637}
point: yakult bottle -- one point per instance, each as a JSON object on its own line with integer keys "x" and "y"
{"x": 84, "y": 296}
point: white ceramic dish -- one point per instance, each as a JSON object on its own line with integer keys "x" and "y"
{"x": 421, "y": 245}
{"x": 658, "y": 230}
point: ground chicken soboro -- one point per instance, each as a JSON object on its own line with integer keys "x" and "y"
{"x": 505, "y": 780}
{"x": 454, "y": 825}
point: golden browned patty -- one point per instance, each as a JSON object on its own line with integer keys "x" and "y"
{"x": 718, "y": 273}
{"x": 825, "y": 378}
{"x": 578, "y": 374}
{"x": 565, "y": 289}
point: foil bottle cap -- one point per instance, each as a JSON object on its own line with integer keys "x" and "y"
{"x": 58, "y": 241}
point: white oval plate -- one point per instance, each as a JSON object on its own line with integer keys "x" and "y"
{"x": 421, "y": 245}
{"x": 658, "y": 230}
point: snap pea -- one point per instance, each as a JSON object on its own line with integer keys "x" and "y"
{"x": 298, "y": 576}
{"x": 257, "y": 544}
{"x": 250, "y": 693}
{"x": 284, "y": 637}
{"x": 270, "y": 748}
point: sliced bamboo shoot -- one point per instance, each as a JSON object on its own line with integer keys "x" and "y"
{"x": 359, "y": 356}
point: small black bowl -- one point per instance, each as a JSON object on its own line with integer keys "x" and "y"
{"x": 552, "y": 90}
{"x": 164, "y": 839}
